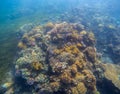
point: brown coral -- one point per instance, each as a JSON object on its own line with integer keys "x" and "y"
{"x": 91, "y": 54}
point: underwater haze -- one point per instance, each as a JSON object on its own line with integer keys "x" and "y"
{"x": 59, "y": 47}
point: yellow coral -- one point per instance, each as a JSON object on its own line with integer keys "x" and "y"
{"x": 83, "y": 32}
{"x": 79, "y": 45}
{"x": 85, "y": 72}
{"x": 75, "y": 50}
{"x": 49, "y": 26}
{"x": 56, "y": 51}
{"x": 80, "y": 65}
{"x": 90, "y": 81}
{"x": 33, "y": 53}
{"x": 55, "y": 86}
{"x": 37, "y": 65}
{"x": 79, "y": 76}
{"x": 74, "y": 69}
{"x": 37, "y": 36}
{"x": 75, "y": 35}
{"x": 91, "y": 36}
{"x": 66, "y": 78}
{"x": 37, "y": 28}
{"x": 25, "y": 36}
{"x": 79, "y": 89}
{"x": 22, "y": 45}
{"x": 31, "y": 39}
{"x": 71, "y": 49}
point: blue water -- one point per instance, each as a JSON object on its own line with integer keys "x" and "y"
{"x": 16, "y": 13}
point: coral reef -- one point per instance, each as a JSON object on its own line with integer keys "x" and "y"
{"x": 59, "y": 58}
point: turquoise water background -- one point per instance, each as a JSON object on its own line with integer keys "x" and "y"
{"x": 15, "y": 13}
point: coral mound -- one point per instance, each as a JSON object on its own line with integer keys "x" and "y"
{"x": 58, "y": 58}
